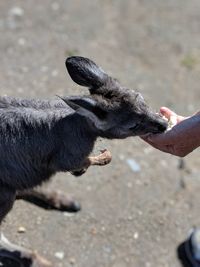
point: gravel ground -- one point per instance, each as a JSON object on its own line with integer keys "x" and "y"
{"x": 129, "y": 217}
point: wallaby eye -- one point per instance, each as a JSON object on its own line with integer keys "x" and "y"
{"x": 134, "y": 127}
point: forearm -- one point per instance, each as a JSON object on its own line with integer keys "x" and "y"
{"x": 181, "y": 139}
{"x": 191, "y": 130}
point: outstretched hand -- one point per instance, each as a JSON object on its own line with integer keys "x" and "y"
{"x": 181, "y": 139}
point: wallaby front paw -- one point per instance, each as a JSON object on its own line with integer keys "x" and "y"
{"x": 103, "y": 159}
{"x": 79, "y": 172}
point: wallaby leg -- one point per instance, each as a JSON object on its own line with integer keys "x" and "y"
{"x": 100, "y": 160}
{"x": 7, "y": 198}
{"x": 12, "y": 255}
{"x": 54, "y": 199}
{"x": 49, "y": 199}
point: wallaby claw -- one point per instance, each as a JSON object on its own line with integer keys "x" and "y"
{"x": 78, "y": 173}
{"x": 103, "y": 159}
{"x": 100, "y": 160}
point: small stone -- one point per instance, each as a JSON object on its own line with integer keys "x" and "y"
{"x": 54, "y": 73}
{"x": 135, "y": 167}
{"x": 21, "y": 230}
{"x": 136, "y": 235}
{"x": 89, "y": 188}
{"x": 60, "y": 255}
{"x": 72, "y": 261}
{"x": 93, "y": 231}
{"x": 129, "y": 185}
{"x": 121, "y": 157}
{"x": 161, "y": 222}
{"x": 21, "y": 41}
{"x": 16, "y": 11}
{"x": 140, "y": 212}
{"x": 68, "y": 214}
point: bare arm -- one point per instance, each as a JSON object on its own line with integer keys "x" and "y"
{"x": 181, "y": 139}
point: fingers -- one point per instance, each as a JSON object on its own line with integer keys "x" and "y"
{"x": 171, "y": 115}
{"x": 167, "y": 112}
{"x": 175, "y": 140}
{"x": 164, "y": 139}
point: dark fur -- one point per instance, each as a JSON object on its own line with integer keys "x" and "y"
{"x": 38, "y": 139}
{"x": 41, "y": 137}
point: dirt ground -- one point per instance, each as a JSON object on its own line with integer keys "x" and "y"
{"x": 130, "y": 217}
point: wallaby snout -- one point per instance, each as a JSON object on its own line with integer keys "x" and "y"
{"x": 161, "y": 125}
{"x": 156, "y": 125}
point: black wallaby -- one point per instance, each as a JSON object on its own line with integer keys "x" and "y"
{"x": 41, "y": 137}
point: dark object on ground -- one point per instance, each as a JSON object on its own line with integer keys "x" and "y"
{"x": 186, "y": 251}
{"x": 13, "y": 259}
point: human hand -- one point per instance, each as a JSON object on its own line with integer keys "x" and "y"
{"x": 181, "y": 139}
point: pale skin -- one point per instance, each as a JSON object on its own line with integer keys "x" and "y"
{"x": 181, "y": 139}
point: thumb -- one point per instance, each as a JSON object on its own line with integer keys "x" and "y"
{"x": 167, "y": 112}
{"x": 171, "y": 115}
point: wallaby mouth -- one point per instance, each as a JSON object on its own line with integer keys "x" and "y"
{"x": 153, "y": 125}
{"x": 159, "y": 126}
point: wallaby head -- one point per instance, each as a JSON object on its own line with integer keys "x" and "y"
{"x": 114, "y": 111}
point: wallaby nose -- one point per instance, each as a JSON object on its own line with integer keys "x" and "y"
{"x": 162, "y": 126}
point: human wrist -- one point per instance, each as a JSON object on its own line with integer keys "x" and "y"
{"x": 195, "y": 128}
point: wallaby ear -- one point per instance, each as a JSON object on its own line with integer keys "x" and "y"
{"x": 77, "y": 102}
{"x": 85, "y": 72}
{"x": 88, "y": 108}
